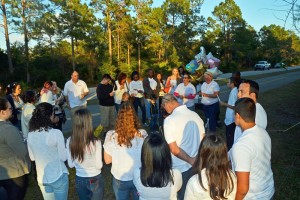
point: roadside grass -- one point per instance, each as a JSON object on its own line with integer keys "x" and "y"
{"x": 283, "y": 109}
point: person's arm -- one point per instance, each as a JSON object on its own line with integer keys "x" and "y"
{"x": 214, "y": 95}
{"x": 70, "y": 160}
{"x": 98, "y": 154}
{"x": 226, "y": 105}
{"x": 242, "y": 184}
{"x": 85, "y": 91}
{"x": 107, "y": 158}
{"x": 146, "y": 86}
{"x": 61, "y": 147}
{"x": 181, "y": 154}
{"x": 15, "y": 142}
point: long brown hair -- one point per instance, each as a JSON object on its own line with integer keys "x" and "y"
{"x": 212, "y": 156}
{"x": 82, "y": 134}
{"x": 127, "y": 124}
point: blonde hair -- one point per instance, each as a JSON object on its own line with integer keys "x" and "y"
{"x": 127, "y": 124}
{"x": 82, "y": 134}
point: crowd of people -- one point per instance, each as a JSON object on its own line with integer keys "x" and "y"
{"x": 157, "y": 144}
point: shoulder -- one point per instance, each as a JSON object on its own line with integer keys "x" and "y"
{"x": 10, "y": 130}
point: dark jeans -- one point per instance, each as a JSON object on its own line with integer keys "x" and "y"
{"x": 140, "y": 102}
{"x": 14, "y": 189}
{"x": 90, "y": 187}
{"x": 122, "y": 190}
{"x": 230, "y": 135}
{"x": 185, "y": 178}
{"x": 153, "y": 123}
{"x": 211, "y": 113}
{"x": 117, "y": 106}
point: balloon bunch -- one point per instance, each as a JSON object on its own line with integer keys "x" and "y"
{"x": 202, "y": 63}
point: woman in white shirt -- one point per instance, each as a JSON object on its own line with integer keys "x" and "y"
{"x": 85, "y": 154}
{"x": 120, "y": 87}
{"x": 214, "y": 179}
{"x": 46, "y": 146}
{"x": 136, "y": 91}
{"x": 156, "y": 179}
{"x": 47, "y": 94}
{"x": 122, "y": 148}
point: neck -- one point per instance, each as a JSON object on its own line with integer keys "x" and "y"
{"x": 247, "y": 125}
{"x": 208, "y": 81}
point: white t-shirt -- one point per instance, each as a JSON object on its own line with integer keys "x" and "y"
{"x": 25, "y": 118}
{"x": 210, "y": 88}
{"x": 229, "y": 116}
{"x": 186, "y": 128}
{"x": 124, "y": 160}
{"x": 187, "y": 90}
{"x": 119, "y": 92}
{"x": 252, "y": 153}
{"x": 74, "y": 91}
{"x": 47, "y": 149}
{"x": 153, "y": 193}
{"x": 134, "y": 86}
{"x": 260, "y": 120}
{"x": 48, "y": 97}
{"x": 92, "y": 160}
{"x": 153, "y": 83}
{"x": 194, "y": 191}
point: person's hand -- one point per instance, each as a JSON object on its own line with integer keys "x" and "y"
{"x": 111, "y": 94}
{"x": 222, "y": 103}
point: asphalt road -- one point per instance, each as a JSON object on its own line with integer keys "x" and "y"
{"x": 265, "y": 84}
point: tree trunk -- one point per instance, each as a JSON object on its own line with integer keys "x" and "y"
{"x": 26, "y": 40}
{"x": 139, "y": 56}
{"x": 109, "y": 37}
{"x": 11, "y": 68}
{"x": 118, "y": 47}
{"x": 128, "y": 54}
{"x": 73, "y": 53}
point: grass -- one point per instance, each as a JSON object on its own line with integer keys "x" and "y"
{"x": 283, "y": 110}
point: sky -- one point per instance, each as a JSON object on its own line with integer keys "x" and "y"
{"x": 256, "y": 13}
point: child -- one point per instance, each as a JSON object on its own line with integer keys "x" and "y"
{"x": 153, "y": 113}
{"x": 213, "y": 178}
{"x": 125, "y": 97}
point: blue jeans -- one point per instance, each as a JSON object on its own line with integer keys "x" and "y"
{"x": 211, "y": 113}
{"x": 139, "y": 102}
{"x": 89, "y": 187}
{"x": 58, "y": 190}
{"x": 122, "y": 190}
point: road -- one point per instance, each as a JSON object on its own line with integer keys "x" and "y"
{"x": 265, "y": 84}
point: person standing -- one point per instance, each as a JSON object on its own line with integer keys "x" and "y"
{"x": 47, "y": 148}
{"x": 156, "y": 179}
{"x": 14, "y": 160}
{"x": 229, "y": 116}
{"x": 151, "y": 86}
{"x": 250, "y": 88}
{"x": 121, "y": 86}
{"x": 136, "y": 91}
{"x": 209, "y": 92}
{"x": 183, "y": 130}
{"x": 172, "y": 81}
{"x": 85, "y": 154}
{"x": 27, "y": 112}
{"x": 251, "y": 155}
{"x": 74, "y": 91}
{"x": 105, "y": 95}
{"x": 13, "y": 95}
{"x": 122, "y": 148}
{"x": 186, "y": 93}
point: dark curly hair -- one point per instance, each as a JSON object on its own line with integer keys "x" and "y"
{"x": 41, "y": 117}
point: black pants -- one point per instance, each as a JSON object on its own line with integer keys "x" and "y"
{"x": 14, "y": 188}
{"x": 230, "y": 135}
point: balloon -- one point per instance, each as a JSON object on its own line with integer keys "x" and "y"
{"x": 192, "y": 66}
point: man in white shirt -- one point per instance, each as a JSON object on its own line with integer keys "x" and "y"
{"x": 251, "y": 155}
{"x": 229, "y": 116}
{"x": 183, "y": 130}
{"x": 249, "y": 88}
{"x": 75, "y": 90}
